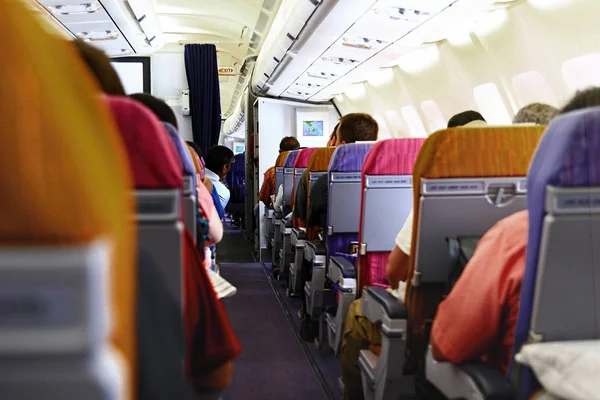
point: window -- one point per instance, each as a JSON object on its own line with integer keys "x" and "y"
{"x": 384, "y": 131}
{"x": 413, "y": 121}
{"x": 532, "y": 87}
{"x": 395, "y": 124}
{"x": 491, "y": 105}
{"x": 582, "y": 72}
{"x": 434, "y": 115}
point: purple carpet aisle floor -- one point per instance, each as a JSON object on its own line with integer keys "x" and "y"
{"x": 275, "y": 362}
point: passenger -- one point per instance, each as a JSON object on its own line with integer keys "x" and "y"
{"x": 535, "y": 113}
{"x": 355, "y": 127}
{"x": 218, "y": 165}
{"x": 359, "y": 332}
{"x": 467, "y": 119}
{"x": 333, "y": 138}
{"x": 161, "y": 109}
{"x": 268, "y": 188}
{"x": 100, "y": 66}
{"x": 472, "y": 325}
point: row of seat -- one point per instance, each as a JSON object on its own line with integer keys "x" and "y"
{"x": 459, "y": 184}
{"x": 68, "y": 315}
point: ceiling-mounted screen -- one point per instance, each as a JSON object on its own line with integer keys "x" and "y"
{"x": 134, "y": 73}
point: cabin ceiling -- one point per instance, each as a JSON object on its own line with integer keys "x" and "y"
{"x": 236, "y": 27}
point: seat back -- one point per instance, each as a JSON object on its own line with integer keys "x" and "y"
{"x": 279, "y": 169}
{"x": 64, "y": 236}
{"x": 158, "y": 188}
{"x": 465, "y": 180}
{"x": 560, "y": 292}
{"x": 190, "y": 203}
{"x": 300, "y": 166}
{"x": 317, "y": 167}
{"x": 344, "y": 197}
{"x": 288, "y": 177}
{"x": 386, "y": 186}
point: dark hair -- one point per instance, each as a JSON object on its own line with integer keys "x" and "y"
{"x": 99, "y": 65}
{"x": 535, "y": 113}
{"x": 334, "y": 131}
{"x": 196, "y": 148}
{"x": 157, "y": 106}
{"x": 288, "y": 143}
{"x": 217, "y": 157}
{"x": 464, "y": 118}
{"x": 357, "y": 127}
{"x": 583, "y": 99}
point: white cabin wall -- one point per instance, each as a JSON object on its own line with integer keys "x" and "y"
{"x": 534, "y": 38}
{"x": 168, "y": 79}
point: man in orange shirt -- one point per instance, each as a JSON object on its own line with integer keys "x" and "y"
{"x": 478, "y": 318}
{"x": 268, "y": 188}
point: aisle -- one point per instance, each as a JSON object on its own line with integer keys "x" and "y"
{"x": 272, "y": 364}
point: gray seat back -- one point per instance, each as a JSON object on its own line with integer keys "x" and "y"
{"x": 55, "y": 325}
{"x": 288, "y": 177}
{"x": 343, "y": 202}
{"x": 190, "y": 206}
{"x": 569, "y": 263}
{"x": 160, "y": 234}
{"x": 460, "y": 207}
{"x": 386, "y": 203}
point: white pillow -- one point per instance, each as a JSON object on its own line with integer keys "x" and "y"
{"x": 569, "y": 370}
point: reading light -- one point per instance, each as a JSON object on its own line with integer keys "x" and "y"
{"x": 74, "y": 9}
{"x": 361, "y": 42}
{"x": 340, "y": 60}
{"x": 118, "y": 52}
{"x": 98, "y": 36}
{"x": 321, "y": 75}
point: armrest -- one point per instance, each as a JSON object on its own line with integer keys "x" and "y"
{"x": 278, "y": 214}
{"x": 346, "y": 267}
{"x": 300, "y": 234}
{"x": 317, "y": 247}
{"x": 475, "y": 380}
{"x": 393, "y": 307}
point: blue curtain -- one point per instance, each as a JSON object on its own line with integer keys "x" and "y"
{"x": 205, "y": 98}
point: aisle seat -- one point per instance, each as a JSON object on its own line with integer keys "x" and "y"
{"x": 298, "y": 235}
{"x": 158, "y": 188}
{"x": 271, "y": 217}
{"x": 386, "y": 199}
{"x": 190, "y": 203}
{"x": 340, "y": 224}
{"x": 317, "y": 166}
{"x": 285, "y": 226}
{"x": 465, "y": 180}
{"x": 67, "y": 260}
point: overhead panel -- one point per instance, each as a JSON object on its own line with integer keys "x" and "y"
{"x": 115, "y": 26}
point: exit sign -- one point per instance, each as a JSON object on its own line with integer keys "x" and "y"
{"x": 226, "y": 71}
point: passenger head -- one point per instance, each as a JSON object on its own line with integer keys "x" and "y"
{"x": 99, "y": 65}
{"x": 288, "y": 143}
{"x": 465, "y": 118}
{"x": 333, "y": 137}
{"x": 535, "y": 113}
{"x": 196, "y": 148}
{"x": 219, "y": 160}
{"x": 157, "y": 106}
{"x": 583, "y": 99}
{"x": 356, "y": 127}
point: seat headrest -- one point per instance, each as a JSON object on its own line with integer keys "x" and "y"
{"x": 319, "y": 161}
{"x": 291, "y": 159}
{"x": 281, "y": 158}
{"x": 303, "y": 157}
{"x": 152, "y": 155}
{"x": 182, "y": 151}
{"x": 349, "y": 157}
{"x": 478, "y": 152}
{"x": 392, "y": 157}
